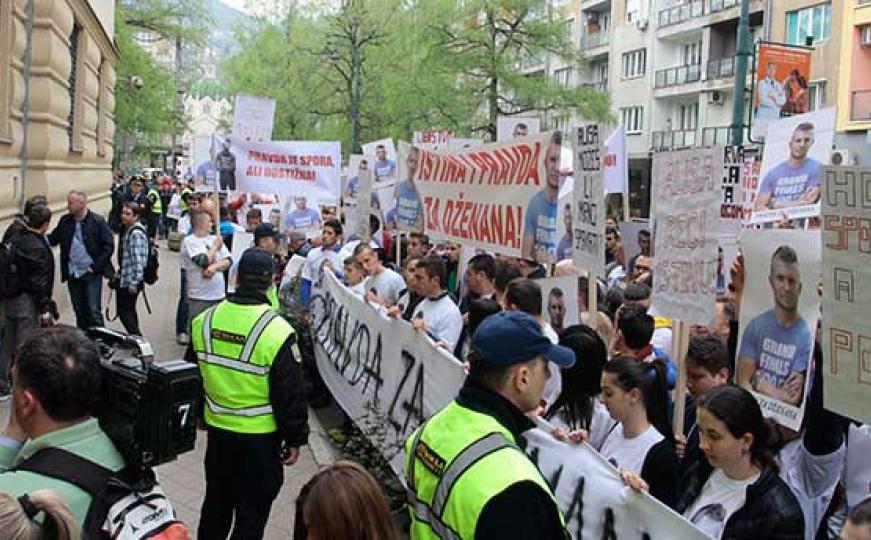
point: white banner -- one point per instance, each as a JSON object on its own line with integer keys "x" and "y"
{"x": 687, "y": 194}
{"x": 383, "y": 167}
{"x": 253, "y": 117}
{"x": 593, "y": 498}
{"x": 432, "y": 139}
{"x": 615, "y": 163}
{"x": 588, "y": 200}
{"x": 779, "y": 312}
{"x": 308, "y": 169}
{"x": 500, "y": 197}
{"x": 846, "y": 245}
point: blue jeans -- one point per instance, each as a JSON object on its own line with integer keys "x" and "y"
{"x": 86, "y": 295}
{"x": 181, "y": 310}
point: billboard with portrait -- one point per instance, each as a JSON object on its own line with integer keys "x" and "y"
{"x": 515, "y": 127}
{"x": 782, "y": 73}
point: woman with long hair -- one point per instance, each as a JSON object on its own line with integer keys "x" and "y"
{"x": 577, "y": 412}
{"x": 18, "y": 517}
{"x": 343, "y": 502}
{"x": 636, "y": 396}
{"x": 736, "y": 491}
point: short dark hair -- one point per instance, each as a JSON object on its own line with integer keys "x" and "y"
{"x": 38, "y": 216}
{"x": 62, "y": 368}
{"x": 483, "y": 263}
{"x": 133, "y": 207}
{"x": 480, "y": 309}
{"x": 374, "y": 223}
{"x": 636, "y": 292}
{"x": 254, "y": 213}
{"x": 505, "y": 273}
{"x": 708, "y": 352}
{"x": 785, "y": 254}
{"x": 351, "y": 261}
{"x": 635, "y": 325}
{"x": 334, "y": 224}
{"x": 861, "y": 513}
{"x": 423, "y": 238}
{"x": 35, "y": 200}
{"x": 644, "y": 232}
{"x": 556, "y": 292}
{"x": 804, "y": 126}
{"x": 435, "y": 267}
{"x": 524, "y": 293}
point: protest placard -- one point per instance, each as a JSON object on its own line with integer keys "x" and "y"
{"x": 732, "y": 207}
{"x": 615, "y": 163}
{"x": 302, "y": 216}
{"x": 308, "y": 169}
{"x": 384, "y": 165}
{"x": 559, "y": 301}
{"x": 593, "y": 498}
{"x": 795, "y": 149}
{"x": 846, "y": 254}
{"x": 588, "y": 200}
{"x": 432, "y": 139}
{"x": 501, "y": 196}
{"x": 253, "y": 117}
{"x": 687, "y": 196}
{"x": 516, "y": 127}
{"x": 241, "y": 241}
{"x": 779, "y": 311}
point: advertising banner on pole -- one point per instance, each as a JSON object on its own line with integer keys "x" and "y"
{"x": 846, "y": 254}
{"x": 500, "y": 197}
{"x": 253, "y": 117}
{"x": 588, "y": 200}
{"x": 687, "y": 193}
{"x": 782, "y": 72}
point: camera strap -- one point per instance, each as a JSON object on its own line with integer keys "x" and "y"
{"x": 109, "y": 303}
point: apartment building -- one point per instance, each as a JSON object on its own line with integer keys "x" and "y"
{"x": 854, "y": 84}
{"x": 668, "y": 65}
{"x": 69, "y": 101}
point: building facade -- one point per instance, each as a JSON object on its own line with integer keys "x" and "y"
{"x": 854, "y": 85}
{"x": 69, "y": 101}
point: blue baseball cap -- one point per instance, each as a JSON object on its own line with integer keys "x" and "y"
{"x": 511, "y": 337}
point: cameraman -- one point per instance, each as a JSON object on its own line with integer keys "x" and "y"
{"x": 255, "y": 405}
{"x": 55, "y": 374}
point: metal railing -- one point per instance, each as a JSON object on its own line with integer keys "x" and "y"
{"x": 595, "y": 39}
{"x": 681, "y": 12}
{"x": 677, "y": 75}
{"x": 860, "y": 105}
{"x": 720, "y": 69}
{"x": 674, "y": 139}
{"x": 712, "y": 136}
{"x": 601, "y": 86}
{"x": 719, "y": 5}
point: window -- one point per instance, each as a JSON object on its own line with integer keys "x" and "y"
{"x": 75, "y": 37}
{"x": 568, "y": 28}
{"x": 814, "y": 21}
{"x": 634, "y": 63}
{"x": 207, "y": 108}
{"x": 563, "y": 76}
{"x": 692, "y": 53}
{"x": 816, "y": 95}
{"x": 633, "y": 10}
{"x": 688, "y": 115}
{"x": 601, "y": 74}
{"x": 632, "y": 119}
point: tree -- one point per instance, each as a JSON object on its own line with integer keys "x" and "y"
{"x": 488, "y": 43}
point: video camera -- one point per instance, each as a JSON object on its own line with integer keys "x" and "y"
{"x": 148, "y": 408}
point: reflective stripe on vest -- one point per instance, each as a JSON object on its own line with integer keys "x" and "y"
{"x": 157, "y": 206}
{"x": 235, "y": 345}
{"x": 182, "y": 203}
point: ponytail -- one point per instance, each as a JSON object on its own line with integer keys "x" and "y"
{"x": 651, "y": 380}
{"x": 17, "y": 517}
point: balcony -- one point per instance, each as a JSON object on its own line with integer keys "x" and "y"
{"x": 860, "y": 105}
{"x": 601, "y": 86}
{"x": 720, "y": 69}
{"x": 595, "y": 39}
{"x": 712, "y": 136}
{"x": 674, "y": 139}
{"x": 719, "y": 5}
{"x": 681, "y": 12}
{"x": 677, "y": 75}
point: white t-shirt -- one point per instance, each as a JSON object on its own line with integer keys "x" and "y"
{"x": 601, "y": 424}
{"x": 720, "y": 498}
{"x": 359, "y": 289}
{"x": 315, "y": 259}
{"x": 184, "y": 225}
{"x": 629, "y": 453}
{"x": 554, "y": 384}
{"x": 199, "y": 287}
{"x": 442, "y": 318}
{"x": 389, "y": 285}
{"x": 812, "y": 480}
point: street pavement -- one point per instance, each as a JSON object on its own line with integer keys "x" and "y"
{"x": 183, "y": 479}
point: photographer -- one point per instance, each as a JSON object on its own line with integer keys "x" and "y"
{"x": 55, "y": 374}
{"x": 132, "y": 258}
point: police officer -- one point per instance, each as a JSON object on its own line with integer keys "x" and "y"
{"x": 156, "y": 205}
{"x": 467, "y": 475}
{"x": 254, "y": 408}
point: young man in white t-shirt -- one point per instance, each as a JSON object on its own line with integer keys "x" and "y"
{"x": 437, "y": 314}
{"x": 329, "y": 251}
{"x": 204, "y": 259}
{"x": 385, "y": 286}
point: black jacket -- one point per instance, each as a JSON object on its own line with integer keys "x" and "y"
{"x": 770, "y": 512}
{"x": 523, "y": 510}
{"x": 286, "y": 388}
{"x": 98, "y": 242}
{"x": 35, "y": 263}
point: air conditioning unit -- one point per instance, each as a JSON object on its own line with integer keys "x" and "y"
{"x": 843, "y": 157}
{"x": 866, "y": 35}
{"x": 716, "y": 97}
{"x": 642, "y": 23}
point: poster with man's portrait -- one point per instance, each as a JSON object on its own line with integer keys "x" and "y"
{"x": 789, "y": 179}
{"x": 780, "y": 308}
{"x": 384, "y": 166}
{"x": 516, "y": 127}
{"x": 559, "y": 301}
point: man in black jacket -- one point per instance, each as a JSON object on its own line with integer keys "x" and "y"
{"x": 86, "y": 247}
{"x": 27, "y": 301}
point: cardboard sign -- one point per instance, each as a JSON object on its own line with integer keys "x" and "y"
{"x": 588, "y": 200}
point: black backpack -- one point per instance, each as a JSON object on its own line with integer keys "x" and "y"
{"x": 152, "y": 264}
{"x": 125, "y": 505}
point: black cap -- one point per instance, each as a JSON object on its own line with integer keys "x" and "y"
{"x": 264, "y": 230}
{"x": 256, "y": 263}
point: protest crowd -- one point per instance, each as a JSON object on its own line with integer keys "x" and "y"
{"x": 718, "y": 426}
